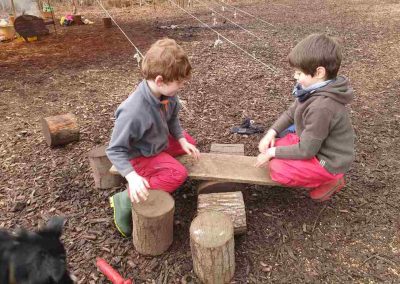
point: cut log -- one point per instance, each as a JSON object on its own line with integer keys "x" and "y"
{"x": 212, "y": 246}
{"x": 229, "y": 203}
{"x": 153, "y": 222}
{"x": 107, "y": 22}
{"x": 100, "y": 165}
{"x": 218, "y": 186}
{"x": 60, "y": 129}
{"x": 220, "y": 167}
{"x": 229, "y": 149}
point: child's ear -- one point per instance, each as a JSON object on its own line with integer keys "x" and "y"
{"x": 320, "y": 73}
{"x": 55, "y": 226}
{"x": 159, "y": 80}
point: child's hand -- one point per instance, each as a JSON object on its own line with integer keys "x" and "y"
{"x": 190, "y": 149}
{"x": 267, "y": 141}
{"x": 137, "y": 187}
{"x": 262, "y": 160}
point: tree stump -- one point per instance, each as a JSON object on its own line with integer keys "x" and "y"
{"x": 217, "y": 186}
{"x": 107, "y": 22}
{"x": 100, "y": 165}
{"x": 153, "y": 222}
{"x": 60, "y": 129}
{"x": 229, "y": 203}
{"x": 212, "y": 245}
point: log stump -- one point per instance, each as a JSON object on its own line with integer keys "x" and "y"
{"x": 212, "y": 245}
{"x": 100, "y": 165}
{"x": 229, "y": 203}
{"x": 60, "y": 129}
{"x": 230, "y": 149}
{"x": 217, "y": 186}
{"x": 153, "y": 222}
{"x": 107, "y": 22}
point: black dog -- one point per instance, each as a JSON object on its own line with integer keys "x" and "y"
{"x": 34, "y": 258}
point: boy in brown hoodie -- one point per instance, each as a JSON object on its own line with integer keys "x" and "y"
{"x": 321, "y": 150}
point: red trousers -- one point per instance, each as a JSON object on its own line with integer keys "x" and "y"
{"x": 163, "y": 171}
{"x": 298, "y": 173}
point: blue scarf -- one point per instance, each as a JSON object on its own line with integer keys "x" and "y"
{"x": 303, "y": 94}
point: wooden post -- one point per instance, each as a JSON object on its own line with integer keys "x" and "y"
{"x": 100, "y": 165}
{"x": 229, "y": 203}
{"x": 13, "y": 8}
{"x": 60, "y": 129}
{"x": 212, "y": 246}
{"x": 217, "y": 186}
{"x": 153, "y": 222}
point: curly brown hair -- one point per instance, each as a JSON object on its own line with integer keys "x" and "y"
{"x": 167, "y": 59}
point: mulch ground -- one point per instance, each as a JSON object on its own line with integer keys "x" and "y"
{"x": 89, "y": 70}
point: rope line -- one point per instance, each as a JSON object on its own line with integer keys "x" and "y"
{"x": 270, "y": 67}
{"x": 137, "y": 49}
{"x": 247, "y": 13}
{"x": 236, "y": 24}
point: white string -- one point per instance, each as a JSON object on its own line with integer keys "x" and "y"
{"x": 236, "y": 24}
{"x": 137, "y": 49}
{"x": 233, "y": 7}
{"x": 270, "y": 67}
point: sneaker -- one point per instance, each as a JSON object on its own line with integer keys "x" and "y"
{"x": 325, "y": 191}
{"x": 122, "y": 206}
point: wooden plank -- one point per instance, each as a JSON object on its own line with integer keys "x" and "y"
{"x": 230, "y": 149}
{"x": 228, "y": 168}
{"x": 222, "y": 167}
{"x": 212, "y": 186}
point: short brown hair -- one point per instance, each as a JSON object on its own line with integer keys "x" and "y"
{"x": 314, "y": 51}
{"x": 167, "y": 59}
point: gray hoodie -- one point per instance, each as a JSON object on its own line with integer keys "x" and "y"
{"x": 142, "y": 127}
{"x": 324, "y": 127}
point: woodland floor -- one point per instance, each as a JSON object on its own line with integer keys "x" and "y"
{"x": 90, "y": 70}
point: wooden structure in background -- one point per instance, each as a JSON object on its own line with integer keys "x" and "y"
{"x": 153, "y": 222}
{"x": 60, "y": 129}
{"x": 100, "y": 165}
{"x": 229, "y": 203}
{"x": 30, "y": 26}
{"x": 213, "y": 247}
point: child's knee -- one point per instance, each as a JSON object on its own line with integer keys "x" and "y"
{"x": 175, "y": 178}
{"x": 180, "y": 174}
{"x": 274, "y": 166}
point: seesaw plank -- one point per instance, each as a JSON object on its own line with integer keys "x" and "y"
{"x": 222, "y": 167}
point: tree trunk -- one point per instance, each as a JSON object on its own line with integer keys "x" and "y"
{"x": 100, "y": 165}
{"x": 213, "y": 248}
{"x": 229, "y": 203}
{"x": 153, "y": 222}
{"x": 60, "y": 129}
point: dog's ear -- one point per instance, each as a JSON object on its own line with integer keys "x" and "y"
{"x": 55, "y": 226}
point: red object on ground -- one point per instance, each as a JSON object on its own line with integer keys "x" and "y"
{"x": 111, "y": 273}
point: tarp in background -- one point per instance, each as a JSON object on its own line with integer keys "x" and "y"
{"x": 27, "y": 7}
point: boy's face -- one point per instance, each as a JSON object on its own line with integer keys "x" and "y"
{"x": 169, "y": 89}
{"x": 306, "y": 80}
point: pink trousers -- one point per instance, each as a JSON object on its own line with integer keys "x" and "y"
{"x": 163, "y": 171}
{"x": 298, "y": 173}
